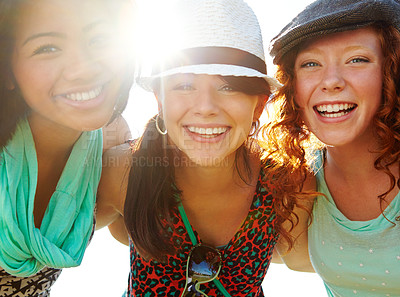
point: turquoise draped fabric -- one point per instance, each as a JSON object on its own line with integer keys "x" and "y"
{"x": 68, "y": 222}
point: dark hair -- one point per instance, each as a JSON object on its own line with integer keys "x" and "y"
{"x": 12, "y": 104}
{"x": 151, "y": 190}
{"x": 289, "y": 139}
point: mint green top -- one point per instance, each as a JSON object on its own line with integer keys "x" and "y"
{"x": 354, "y": 258}
{"x": 67, "y": 224}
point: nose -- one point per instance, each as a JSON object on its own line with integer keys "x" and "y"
{"x": 81, "y": 65}
{"x": 206, "y": 104}
{"x": 332, "y": 79}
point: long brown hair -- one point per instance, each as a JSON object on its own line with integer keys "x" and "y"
{"x": 12, "y": 104}
{"x": 150, "y": 194}
{"x": 289, "y": 140}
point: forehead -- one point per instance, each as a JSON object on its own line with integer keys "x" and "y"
{"x": 364, "y": 37}
{"x": 45, "y": 15}
{"x": 192, "y": 77}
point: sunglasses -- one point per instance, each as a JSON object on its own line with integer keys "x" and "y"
{"x": 203, "y": 266}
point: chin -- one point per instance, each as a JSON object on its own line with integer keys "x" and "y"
{"x": 94, "y": 124}
{"x": 209, "y": 162}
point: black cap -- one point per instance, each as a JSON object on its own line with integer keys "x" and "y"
{"x": 330, "y": 16}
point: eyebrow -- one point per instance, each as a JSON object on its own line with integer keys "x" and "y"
{"x": 43, "y": 34}
{"x": 90, "y": 26}
{"x": 87, "y": 28}
{"x": 357, "y": 47}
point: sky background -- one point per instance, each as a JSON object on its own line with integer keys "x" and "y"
{"x": 105, "y": 267}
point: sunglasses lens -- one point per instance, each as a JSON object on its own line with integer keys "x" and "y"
{"x": 204, "y": 263}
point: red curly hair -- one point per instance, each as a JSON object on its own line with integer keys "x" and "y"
{"x": 288, "y": 140}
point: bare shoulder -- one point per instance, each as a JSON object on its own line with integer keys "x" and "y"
{"x": 116, "y": 133}
{"x": 298, "y": 258}
{"x": 113, "y": 184}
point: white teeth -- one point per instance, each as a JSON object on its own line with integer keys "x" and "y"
{"x": 335, "y": 110}
{"x": 334, "y": 115}
{"x": 84, "y": 96}
{"x": 207, "y": 132}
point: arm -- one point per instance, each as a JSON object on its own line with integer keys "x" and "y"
{"x": 298, "y": 258}
{"x": 112, "y": 191}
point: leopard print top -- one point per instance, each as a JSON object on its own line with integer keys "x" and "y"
{"x": 246, "y": 258}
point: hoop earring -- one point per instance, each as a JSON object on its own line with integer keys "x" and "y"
{"x": 254, "y": 126}
{"x": 158, "y": 127}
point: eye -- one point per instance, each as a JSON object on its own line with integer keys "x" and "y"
{"x": 359, "y": 60}
{"x": 227, "y": 88}
{"x": 184, "y": 87}
{"x": 46, "y": 49}
{"x": 101, "y": 40}
{"x": 309, "y": 64}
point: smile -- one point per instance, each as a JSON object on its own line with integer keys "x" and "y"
{"x": 84, "y": 96}
{"x": 335, "y": 110}
{"x": 208, "y": 132}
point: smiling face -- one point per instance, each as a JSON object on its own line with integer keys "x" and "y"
{"x": 338, "y": 85}
{"x": 206, "y": 118}
{"x": 67, "y": 61}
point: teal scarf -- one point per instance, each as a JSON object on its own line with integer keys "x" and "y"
{"x": 68, "y": 222}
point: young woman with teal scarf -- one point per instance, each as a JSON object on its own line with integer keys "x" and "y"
{"x": 64, "y": 74}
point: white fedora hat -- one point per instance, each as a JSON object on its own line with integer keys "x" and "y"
{"x": 218, "y": 37}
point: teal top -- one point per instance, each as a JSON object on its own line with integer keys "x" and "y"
{"x": 67, "y": 224}
{"x": 354, "y": 258}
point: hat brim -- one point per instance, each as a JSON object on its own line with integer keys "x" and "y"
{"x": 210, "y": 69}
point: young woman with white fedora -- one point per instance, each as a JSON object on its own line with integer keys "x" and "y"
{"x": 339, "y": 64}
{"x": 203, "y": 209}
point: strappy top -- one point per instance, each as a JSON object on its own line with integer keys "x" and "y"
{"x": 354, "y": 258}
{"x": 246, "y": 257}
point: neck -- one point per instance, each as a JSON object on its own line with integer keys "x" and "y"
{"x": 353, "y": 159}
{"x": 51, "y": 140}
{"x": 204, "y": 180}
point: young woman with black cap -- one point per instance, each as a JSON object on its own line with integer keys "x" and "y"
{"x": 339, "y": 64}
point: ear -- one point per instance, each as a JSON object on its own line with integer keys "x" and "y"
{"x": 262, "y": 101}
{"x": 10, "y": 83}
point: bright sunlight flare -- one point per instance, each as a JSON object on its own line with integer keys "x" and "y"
{"x": 159, "y": 33}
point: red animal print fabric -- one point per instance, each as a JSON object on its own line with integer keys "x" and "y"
{"x": 246, "y": 257}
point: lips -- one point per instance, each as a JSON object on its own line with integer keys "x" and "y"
{"x": 334, "y": 110}
{"x": 84, "y": 96}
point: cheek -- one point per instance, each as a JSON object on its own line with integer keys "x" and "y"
{"x": 372, "y": 88}
{"x": 171, "y": 113}
{"x": 301, "y": 94}
{"x": 116, "y": 63}
{"x": 33, "y": 78}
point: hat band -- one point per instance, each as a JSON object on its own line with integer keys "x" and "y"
{"x": 213, "y": 55}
